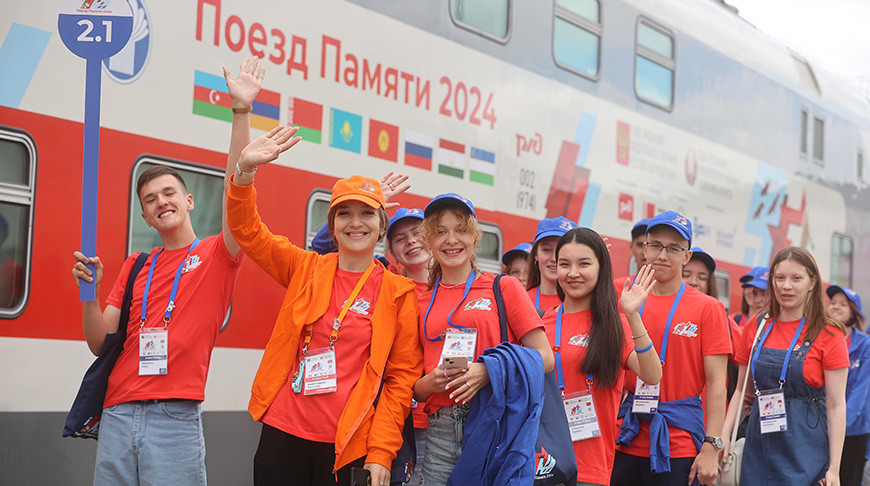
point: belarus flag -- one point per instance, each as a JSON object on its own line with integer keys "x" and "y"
{"x": 418, "y": 149}
{"x": 482, "y": 166}
{"x": 308, "y": 117}
{"x": 451, "y": 158}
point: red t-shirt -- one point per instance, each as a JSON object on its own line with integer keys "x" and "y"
{"x": 478, "y": 312}
{"x": 595, "y": 455}
{"x": 829, "y": 352}
{"x": 315, "y": 417}
{"x": 699, "y": 329}
{"x": 619, "y": 282}
{"x": 547, "y": 301}
{"x": 421, "y": 420}
{"x": 205, "y": 291}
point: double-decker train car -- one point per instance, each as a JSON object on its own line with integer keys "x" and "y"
{"x": 604, "y": 112}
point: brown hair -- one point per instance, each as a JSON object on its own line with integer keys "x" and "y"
{"x": 857, "y": 319}
{"x": 429, "y": 228}
{"x": 155, "y": 172}
{"x": 382, "y": 220}
{"x": 815, "y": 310}
{"x": 534, "y": 278}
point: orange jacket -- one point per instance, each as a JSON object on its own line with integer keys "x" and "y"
{"x": 396, "y": 358}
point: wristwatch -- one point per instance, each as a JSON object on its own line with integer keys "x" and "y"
{"x": 240, "y": 172}
{"x": 716, "y": 441}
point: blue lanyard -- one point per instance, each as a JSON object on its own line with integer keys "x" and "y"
{"x": 794, "y": 339}
{"x": 557, "y": 350}
{"x": 471, "y": 277}
{"x": 538, "y": 297}
{"x": 171, "y": 305}
{"x": 670, "y": 320}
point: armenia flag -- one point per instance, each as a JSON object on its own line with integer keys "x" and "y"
{"x": 266, "y": 110}
{"x": 451, "y": 158}
{"x": 383, "y": 140}
{"x": 418, "y": 149}
{"x": 210, "y": 96}
{"x": 345, "y": 130}
{"x": 307, "y": 116}
{"x": 482, "y": 166}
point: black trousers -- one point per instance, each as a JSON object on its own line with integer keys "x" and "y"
{"x": 284, "y": 459}
{"x": 629, "y": 470}
{"x": 852, "y": 464}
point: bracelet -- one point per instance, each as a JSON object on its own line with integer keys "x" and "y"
{"x": 242, "y": 111}
{"x": 240, "y": 172}
{"x": 644, "y": 349}
{"x": 641, "y": 335}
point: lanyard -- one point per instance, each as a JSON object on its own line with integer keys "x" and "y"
{"x": 336, "y": 324}
{"x": 669, "y": 321}
{"x": 171, "y": 305}
{"x": 787, "y": 352}
{"x": 557, "y": 350}
{"x": 538, "y": 297}
{"x": 471, "y": 277}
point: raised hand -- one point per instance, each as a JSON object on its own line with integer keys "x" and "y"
{"x": 392, "y": 185}
{"x": 81, "y": 272}
{"x": 634, "y": 295}
{"x": 268, "y": 147}
{"x": 243, "y": 90}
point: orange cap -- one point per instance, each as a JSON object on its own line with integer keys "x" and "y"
{"x": 358, "y": 188}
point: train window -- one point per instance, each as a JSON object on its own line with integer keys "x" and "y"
{"x": 17, "y": 174}
{"x": 490, "y": 248}
{"x": 316, "y": 217}
{"x": 723, "y": 285}
{"x": 805, "y": 73}
{"x": 205, "y": 183}
{"x": 805, "y": 127}
{"x": 841, "y": 260}
{"x": 818, "y": 140}
{"x": 859, "y": 163}
{"x": 489, "y": 18}
{"x": 654, "y": 65}
{"x": 577, "y": 36}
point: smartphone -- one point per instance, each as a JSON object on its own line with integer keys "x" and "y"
{"x": 452, "y": 362}
{"x": 360, "y": 477}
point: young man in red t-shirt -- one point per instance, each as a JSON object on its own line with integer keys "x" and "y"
{"x": 694, "y": 359}
{"x": 165, "y": 389}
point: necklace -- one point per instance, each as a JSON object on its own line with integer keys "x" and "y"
{"x": 443, "y": 285}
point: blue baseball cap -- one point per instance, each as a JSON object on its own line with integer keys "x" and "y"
{"x": 757, "y": 277}
{"x": 850, "y": 294}
{"x": 675, "y": 220}
{"x": 522, "y": 248}
{"x": 401, "y": 214}
{"x": 557, "y": 226}
{"x": 639, "y": 228}
{"x": 451, "y": 199}
{"x": 705, "y": 258}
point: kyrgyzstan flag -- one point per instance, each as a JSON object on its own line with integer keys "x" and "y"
{"x": 383, "y": 140}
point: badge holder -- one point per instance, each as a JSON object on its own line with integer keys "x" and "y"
{"x": 580, "y": 410}
{"x": 771, "y": 410}
{"x": 153, "y": 350}
{"x": 646, "y": 397}
{"x": 459, "y": 343}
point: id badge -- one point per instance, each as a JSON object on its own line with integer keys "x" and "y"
{"x": 320, "y": 372}
{"x": 582, "y": 420}
{"x": 459, "y": 343}
{"x": 153, "y": 351}
{"x": 771, "y": 409}
{"x": 646, "y": 397}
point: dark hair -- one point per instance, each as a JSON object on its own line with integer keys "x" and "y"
{"x": 857, "y": 318}
{"x": 712, "y": 286}
{"x": 814, "y": 308}
{"x": 606, "y": 335}
{"x": 155, "y": 172}
{"x": 534, "y": 278}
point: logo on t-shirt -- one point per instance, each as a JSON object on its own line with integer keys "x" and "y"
{"x": 687, "y": 329}
{"x": 481, "y": 303}
{"x": 190, "y": 263}
{"x": 360, "y": 306}
{"x": 579, "y": 340}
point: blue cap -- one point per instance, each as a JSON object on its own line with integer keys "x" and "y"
{"x": 705, "y": 258}
{"x": 557, "y": 226}
{"x": 639, "y": 228}
{"x": 850, "y": 294}
{"x": 675, "y": 220}
{"x": 451, "y": 199}
{"x": 757, "y": 277}
{"x": 522, "y": 248}
{"x": 403, "y": 213}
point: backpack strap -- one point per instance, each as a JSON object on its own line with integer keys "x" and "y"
{"x": 499, "y": 306}
{"x": 128, "y": 293}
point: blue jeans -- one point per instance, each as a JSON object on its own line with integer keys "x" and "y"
{"x": 443, "y": 443}
{"x": 149, "y": 442}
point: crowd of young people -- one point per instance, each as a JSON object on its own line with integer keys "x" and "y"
{"x": 358, "y": 345}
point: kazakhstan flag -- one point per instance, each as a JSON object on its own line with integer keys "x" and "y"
{"x": 345, "y": 130}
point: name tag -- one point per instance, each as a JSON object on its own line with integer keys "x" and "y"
{"x": 771, "y": 409}
{"x": 459, "y": 343}
{"x": 320, "y": 372}
{"x": 582, "y": 420}
{"x": 646, "y": 397}
{"x": 153, "y": 351}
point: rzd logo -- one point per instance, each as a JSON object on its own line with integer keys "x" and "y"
{"x": 544, "y": 464}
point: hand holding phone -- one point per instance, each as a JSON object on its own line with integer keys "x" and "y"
{"x": 360, "y": 477}
{"x": 453, "y": 362}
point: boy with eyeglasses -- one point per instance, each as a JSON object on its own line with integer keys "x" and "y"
{"x": 689, "y": 331}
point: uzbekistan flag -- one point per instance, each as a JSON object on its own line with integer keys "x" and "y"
{"x": 383, "y": 140}
{"x": 418, "y": 149}
{"x": 307, "y": 116}
{"x": 345, "y": 130}
{"x": 482, "y": 166}
{"x": 210, "y": 97}
{"x": 451, "y": 158}
{"x": 266, "y": 110}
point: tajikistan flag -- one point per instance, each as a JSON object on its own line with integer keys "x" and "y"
{"x": 451, "y": 158}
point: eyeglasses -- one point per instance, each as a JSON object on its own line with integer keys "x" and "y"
{"x": 657, "y": 248}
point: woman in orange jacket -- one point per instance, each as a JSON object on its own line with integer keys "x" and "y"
{"x": 347, "y": 329}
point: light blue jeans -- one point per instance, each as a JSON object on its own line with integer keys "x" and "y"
{"x": 443, "y": 443}
{"x": 148, "y": 442}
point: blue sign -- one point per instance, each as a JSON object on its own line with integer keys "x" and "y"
{"x": 129, "y": 63}
{"x": 93, "y": 30}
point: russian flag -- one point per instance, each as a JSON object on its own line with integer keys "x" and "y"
{"x": 418, "y": 149}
